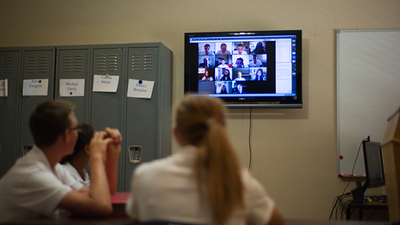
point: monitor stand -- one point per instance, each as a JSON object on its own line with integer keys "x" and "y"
{"x": 358, "y": 192}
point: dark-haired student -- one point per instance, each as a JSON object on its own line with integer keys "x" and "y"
{"x": 207, "y": 50}
{"x": 203, "y": 182}
{"x": 76, "y": 162}
{"x": 37, "y": 185}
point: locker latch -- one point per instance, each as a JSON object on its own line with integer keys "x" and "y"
{"x": 135, "y": 154}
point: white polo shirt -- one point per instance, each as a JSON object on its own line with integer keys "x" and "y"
{"x": 31, "y": 188}
{"x": 74, "y": 173}
{"x": 166, "y": 190}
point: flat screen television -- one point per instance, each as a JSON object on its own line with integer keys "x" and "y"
{"x": 246, "y": 69}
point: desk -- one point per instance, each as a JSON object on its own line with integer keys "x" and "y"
{"x": 361, "y": 206}
{"x": 118, "y": 201}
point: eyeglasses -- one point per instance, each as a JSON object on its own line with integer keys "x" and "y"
{"x": 78, "y": 128}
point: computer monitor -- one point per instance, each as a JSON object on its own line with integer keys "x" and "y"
{"x": 373, "y": 169}
{"x": 373, "y": 164}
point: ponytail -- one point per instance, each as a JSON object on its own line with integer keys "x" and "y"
{"x": 201, "y": 122}
{"x": 217, "y": 161}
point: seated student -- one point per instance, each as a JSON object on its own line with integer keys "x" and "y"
{"x": 259, "y": 76}
{"x": 240, "y": 89}
{"x": 239, "y": 63}
{"x": 77, "y": 161}
{"x": 239, "y": 77}
{"x": 223, "y": 50}
{"x": 37, "y": 185}
{"x": 239, "y": 50}
{"x": 225, "y": 75}
{"x": 203, "y": 182}
{"x": 223, "y": 64}
{"x": 255, "y": 62}
{"x": 207, "y": 50}
{"x": 207, "y": 77}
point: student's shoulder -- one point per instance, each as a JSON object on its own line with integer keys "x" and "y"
{"x": 153, "y": 166}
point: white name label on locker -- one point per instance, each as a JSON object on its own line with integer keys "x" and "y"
{"x": 105, "y": 83}
{"x": 72, "y": 87}
{"x": 140, "y": 88}
{"x": 4, "y": 88}
{"x": 35, "y": 87}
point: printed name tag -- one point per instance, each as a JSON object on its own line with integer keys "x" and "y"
{"x": 72, "y": 87}
{"x": 105, "y": 83}
{"x": 35, "y": 87}
{"x": 140, "y": 88}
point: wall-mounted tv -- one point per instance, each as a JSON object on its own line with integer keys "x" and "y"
{"x": 246, "y": 69}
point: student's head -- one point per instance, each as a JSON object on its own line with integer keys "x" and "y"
{"x": 240, "y": 88}
{"x": 239, "y": 62}
{"x": 239, "y": 74}
{"x": 85, "y": 135}
{"x": 223, "y": 61}
{"x": 240, "y": 48}
{"x": 226, "y": 72}
{"x": 50, "y": 119}
{"x": 206, "y": 48}
{"x": 255, "y": 58}
{"x": 259, "y": 72}
{"x": 206, "y": 73}
{"x": 193, "y": 116}
{"x": 200, "y": 121}
{"x": 223, "y": 47}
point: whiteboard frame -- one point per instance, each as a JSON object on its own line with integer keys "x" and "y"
{"x": 342, "y": 172}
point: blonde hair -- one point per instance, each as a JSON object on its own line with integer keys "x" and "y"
{"x": 200, "y": 121}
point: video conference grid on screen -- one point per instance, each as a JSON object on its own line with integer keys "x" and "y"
{"x": 256, "y": 66}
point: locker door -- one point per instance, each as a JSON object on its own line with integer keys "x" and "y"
{"x": 144, "y": 120}
{"x": 107, "y": 108}
{"x": 37, "y": 63}
{"x": 9, "y": 69}
{"x": 75, "y": 64}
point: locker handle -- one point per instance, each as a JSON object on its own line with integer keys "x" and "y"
{"x": 135, "y": 154}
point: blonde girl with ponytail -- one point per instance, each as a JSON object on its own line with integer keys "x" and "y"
{"x": 202, "y": 183}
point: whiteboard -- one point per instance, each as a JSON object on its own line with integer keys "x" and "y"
{"x": 368, "y": 91}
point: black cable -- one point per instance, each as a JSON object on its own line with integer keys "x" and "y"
{"x": 250, "y": 142}
{"x": 335, "y": 204}
{"x": 371, "y": 215}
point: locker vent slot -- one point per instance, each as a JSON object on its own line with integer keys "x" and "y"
{"x": 38, "y": 64}
{"x": 31, "y": 64}
{"x": 43, "y": 64}
{"x": 78, "y": 63}
{"x": 67, "y": 64}
{"x": 101, "y": 63}
{"x": 148, "y": 61}
{"x": 72, "y": 63}
{"x": 112, "y": 62}
{"x": 107, "y": 63}
{"x": 7, "y": 64}
{"x": 136, "y": 63}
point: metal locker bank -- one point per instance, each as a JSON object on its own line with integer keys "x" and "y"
{"x": 144, "y": 122}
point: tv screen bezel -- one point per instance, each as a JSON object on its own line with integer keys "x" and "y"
{"x": 191, "y": 66}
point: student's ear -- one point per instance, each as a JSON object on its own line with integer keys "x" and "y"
{"x": 87, "y": 149}
{"x": 65, "y": 136}
{"x": 178, "y": 136}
